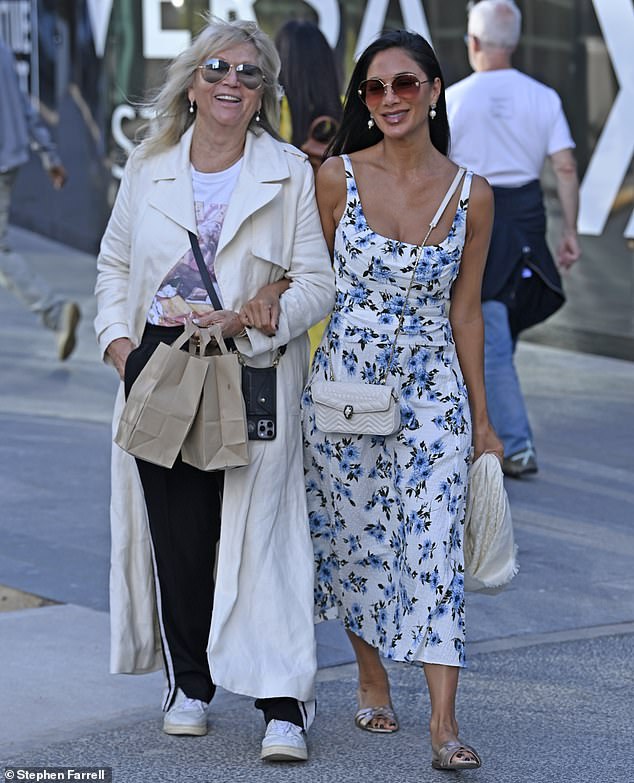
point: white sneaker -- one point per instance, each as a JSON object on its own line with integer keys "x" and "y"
{"x": 186, "y": 716}
{"x": 284, "y": 741}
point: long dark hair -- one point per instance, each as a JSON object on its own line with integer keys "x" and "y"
{"x": 308, "y": 75}
{"x": 353, "y": 134}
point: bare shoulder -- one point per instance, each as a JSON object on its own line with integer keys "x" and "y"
{"x": 331, "y": 177}
{"x": 332, "y": 170}
{"x": 481, "y": 194}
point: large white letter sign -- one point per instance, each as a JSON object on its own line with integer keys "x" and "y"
{"x": 374, "y": 20}
{"x": 615, "y": 147}
{"x": 233, "y": 9}
{"x": 160, "y": 44}
{"x": 99, "y": 13}
{"x": 329, "y": 19}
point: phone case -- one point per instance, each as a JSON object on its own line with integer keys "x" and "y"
{"x": 260, "y": 399}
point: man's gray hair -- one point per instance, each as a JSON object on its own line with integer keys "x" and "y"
{"x": 496, "y": 23}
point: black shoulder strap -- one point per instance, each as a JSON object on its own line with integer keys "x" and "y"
{"x": 204, "y": 273}
{"x": 213, "y": 296}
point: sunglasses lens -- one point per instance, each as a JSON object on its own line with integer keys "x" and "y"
{"x": 215, "y": 70}
{"x": 406, "y": 86}
{"x": 372, "y": 90}
{"x": 250, "y": 76}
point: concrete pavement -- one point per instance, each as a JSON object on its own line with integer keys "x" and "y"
{"x": 548, "y": 695}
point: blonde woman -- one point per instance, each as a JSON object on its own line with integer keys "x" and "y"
{"x": 214, "y": 166}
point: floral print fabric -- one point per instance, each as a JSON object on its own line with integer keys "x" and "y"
{"x": 387, "y": 513}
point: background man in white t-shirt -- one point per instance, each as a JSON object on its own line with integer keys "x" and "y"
{"x": 504, "y": 125}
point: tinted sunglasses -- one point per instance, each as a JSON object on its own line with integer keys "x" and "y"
{"x": 405, "y": 86}
{"x": 250, "y": 76}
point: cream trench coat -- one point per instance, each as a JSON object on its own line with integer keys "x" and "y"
{"x": 261, "y": 641}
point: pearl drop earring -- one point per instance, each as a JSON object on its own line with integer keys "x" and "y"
{"x": 432, "y": 111}
{"x": 371, "y": 123}
{"x": 257, "y": 116}
{"x": 192, "y": 107}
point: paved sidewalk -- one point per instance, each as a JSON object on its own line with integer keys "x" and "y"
{"x": 548, "y": 695}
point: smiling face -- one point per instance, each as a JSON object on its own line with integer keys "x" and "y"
{"x": 396, "y": 116}
{"x": 227, "y": 103}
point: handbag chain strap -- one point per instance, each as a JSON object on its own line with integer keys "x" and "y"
{"x": 401, "y": 319}
{"x": 215, "y": 299}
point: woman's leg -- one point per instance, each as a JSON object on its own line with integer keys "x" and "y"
{"x": 281, "y": 709}
{"x": 442, "y": 682}
{"x": 183, "y": 506}
{"x": 374, "y": 685}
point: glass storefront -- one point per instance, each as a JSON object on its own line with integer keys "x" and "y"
{"x": 90, "y": 63}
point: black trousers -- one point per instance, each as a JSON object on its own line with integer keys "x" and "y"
{"x": 184, "y": 507}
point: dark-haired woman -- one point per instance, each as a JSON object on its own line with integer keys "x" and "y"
{"x": 311, "y": 93}
{"x": 310, "y": 111}
{"x": 387, "y": 512}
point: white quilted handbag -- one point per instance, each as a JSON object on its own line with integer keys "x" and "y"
{"x": 355, "y": 408}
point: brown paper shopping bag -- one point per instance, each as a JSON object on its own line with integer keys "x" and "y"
{"x": 162, "y": 403}
{"x": 218, "y": 438}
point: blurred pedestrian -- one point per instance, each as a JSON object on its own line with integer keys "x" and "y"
{"x": 408, "y": 231}
{"x": 224, "y": 560}
{"x": 20, "y": 127}
{"x": 504, "y": 125}
{"x": 311, "y": 105}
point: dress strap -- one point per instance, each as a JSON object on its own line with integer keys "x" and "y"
{"x": 351, "y": 186}
{"x": 466, "y": 186}
{"x": 443, "y": 206}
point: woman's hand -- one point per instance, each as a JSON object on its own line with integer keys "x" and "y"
{"x": 229, "y": 321}
{"x": 118, "y": 351}
{"x": 485, "y": 440}
{"x": 263, "y": 310}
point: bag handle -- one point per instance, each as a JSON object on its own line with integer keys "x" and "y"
{"x": 206, "y": 277}
{"x": 215, "y": 301}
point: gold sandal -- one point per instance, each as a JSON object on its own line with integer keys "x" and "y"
{"x": 366, "y": 715}
{"x": 445, "y": 756}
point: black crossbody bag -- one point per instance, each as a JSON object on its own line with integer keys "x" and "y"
{"x": 259, "y": 384}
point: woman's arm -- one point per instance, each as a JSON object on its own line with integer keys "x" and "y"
{"x": 111, "y": 289}
{"x": 263, "y": 310}
{"x": 466, "y": 315}
{"x": 331, "y": 197}
{"x": 310, "y": 295}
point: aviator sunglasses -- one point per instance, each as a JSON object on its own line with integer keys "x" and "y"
{"x": 404, "y": 85}
{"x": 250, "y": 76}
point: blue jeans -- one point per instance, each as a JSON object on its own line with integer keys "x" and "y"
{"x": 505, "y": 402}
{"x": 15, "y": 273}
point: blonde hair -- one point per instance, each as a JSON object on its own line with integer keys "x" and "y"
{"x": 170, "y": 106}
{"x": 496, "y": 23}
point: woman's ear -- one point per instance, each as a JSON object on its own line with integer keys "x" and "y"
{"x": 436, "y": 90}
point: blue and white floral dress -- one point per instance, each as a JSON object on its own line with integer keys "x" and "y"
{"x": 387, "y": 513}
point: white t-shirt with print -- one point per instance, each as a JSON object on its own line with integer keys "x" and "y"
{"x": 504, "y": 124}
{"x": 183, "y": 290}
